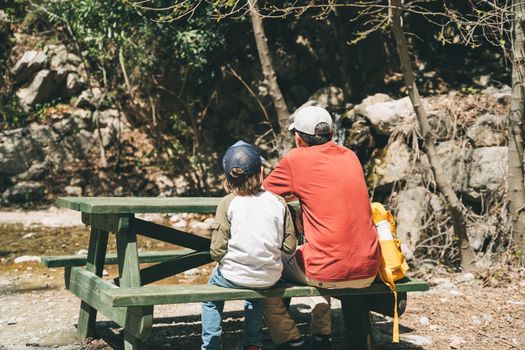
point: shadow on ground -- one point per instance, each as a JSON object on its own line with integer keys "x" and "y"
{"x": 183, "y": 332}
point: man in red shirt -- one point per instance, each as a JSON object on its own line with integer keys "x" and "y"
{"x": 342, "y": 248}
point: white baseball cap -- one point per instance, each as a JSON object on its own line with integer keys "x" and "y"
{"x": 307, "y": 118}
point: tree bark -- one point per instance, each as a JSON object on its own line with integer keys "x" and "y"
{"x": 453, "y": 204}
{"x": 516, "y": 176}
{"x": 285, "y": 140}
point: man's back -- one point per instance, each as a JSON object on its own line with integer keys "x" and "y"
{"x": 341, "y": 239}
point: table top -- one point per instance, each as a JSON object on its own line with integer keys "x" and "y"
{"x": 132, "y": 205}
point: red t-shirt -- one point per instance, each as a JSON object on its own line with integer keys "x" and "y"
{"x": 342, "y": 242}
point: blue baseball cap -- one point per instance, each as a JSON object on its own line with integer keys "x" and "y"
{"x": 242, "y": 155}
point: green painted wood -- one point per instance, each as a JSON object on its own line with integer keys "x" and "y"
{"x": 89, "y": 287}
{"x": 111, "y": 259}
{"x": 133, "y": 205}
{"x": 177, "y": 294}
{"x": 171, "y": 235}
{"x": 172, "y": 267}
{"x": 137, "y": 317}
{"x": 94, "y": 263}
{"x": 108, "y": 222}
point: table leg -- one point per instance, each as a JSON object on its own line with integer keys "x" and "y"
{"x": 129, "y": 271}
{"x": 95, "y": 263}
{"x": 357, "y": 322}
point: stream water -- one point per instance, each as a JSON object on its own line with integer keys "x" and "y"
{"x": 18, "y": 240}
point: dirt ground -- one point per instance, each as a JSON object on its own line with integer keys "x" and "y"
{"x": 459, "y": 312}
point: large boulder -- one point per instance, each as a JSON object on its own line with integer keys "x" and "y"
{"x": 23, "y": 192}
{"x": 39, "y": 90}
{"x": 488, "y": 130}
{"x": 18, "y": 151}
{"x": 487, "y": 171}
{"x": 384, "y": 113}
{"x": 330, "y": 97}
{"x": 31, "y": 62}
{"x": 451, "y": 159}
{"x": 394, "y": 165}
{"x": 410, "y": 209}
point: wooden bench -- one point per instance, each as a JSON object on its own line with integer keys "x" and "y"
{"x": 129, "y": 299}
{"x": 111, "y": 259}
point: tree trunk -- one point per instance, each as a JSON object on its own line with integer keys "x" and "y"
{"x": 453, "y": 203}
{"x": 285, "y": 140}
{"x": 515, "y": 177}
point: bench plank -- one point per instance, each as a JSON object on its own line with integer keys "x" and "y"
{"x": 111, "y": 259}
{"x": 177, "y": 294}
{"x": 88, "y": 287}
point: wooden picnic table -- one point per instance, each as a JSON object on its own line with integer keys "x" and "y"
{"x": 117, "y": 215}
{"x": 127, "y": 300}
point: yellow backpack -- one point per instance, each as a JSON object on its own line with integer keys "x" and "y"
{"x": 393, "y": 265}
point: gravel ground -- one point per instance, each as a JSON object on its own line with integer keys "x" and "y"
{"x": 459, "y": 312}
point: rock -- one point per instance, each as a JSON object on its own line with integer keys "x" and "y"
{"x": 424, "y": 321}
{"x": 89, "y": 98}
{"x": 75, "y": 191}
{"x": 29, "y": 235}
{"x": 30, "y": 62}
{"x": 456, "y": 342}
{"x": 440, "y": 124}
{"x": 23, "y": 192}
{"x": 456, "y": 293}
{"x": 181, "y": 224}
{"x": 501, "y": 95}
{"x": 330, "y": 97}
{"x": 384, "y": 116}
{"x": 393, "y": 166}
{"x": 18, "y": 152}
{"x": 109, "y": 136}
{"x": 466, "y": 277}
{"x": 11, "y": 321}
{"x": 82, "y": 252}
{"x": 73, "y": 84}
{"x": 38, "y": 91}
{"x": 72, "y": 58}
{"x": 488, "y": 130}
{"x": 209, "y": 221}
{"x": 479, "y": 231}
{"x": 360, "y": 139}
{"x": 27, "y": 258}
{"x": 105, "y": 272}
{"x": 451, "y": 157}
{"x": 486, "y": 172}
{"x": 418, "y": 340}
{"x": 515, "y": 302}
{"x": 174, "y": 218}
{"x": 35, "y": 172}
{"x": 191, "y": 272}
{"x": 165, "y": 185}
{"x": 410, "y": 211}
{"x": 200, "y": 226}
{"x": 181, "y": 185}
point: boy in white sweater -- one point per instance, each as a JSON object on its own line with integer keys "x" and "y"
{"x": 251, "y": 229}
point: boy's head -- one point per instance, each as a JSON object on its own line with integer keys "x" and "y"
{"x": 242, "y": 166}
{"x": 312, "y": 125}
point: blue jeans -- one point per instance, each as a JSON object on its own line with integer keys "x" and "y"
{"x": 212, "y": 317}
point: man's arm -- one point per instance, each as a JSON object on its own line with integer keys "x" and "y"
{"x": 221, "y": 230}
{"x": 279, "y": 181}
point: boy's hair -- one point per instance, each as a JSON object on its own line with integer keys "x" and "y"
{"x": 242, "y": 185}
{"x": 322, "y": 135}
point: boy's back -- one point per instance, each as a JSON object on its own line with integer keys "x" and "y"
{"x": 256, "y": 233}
